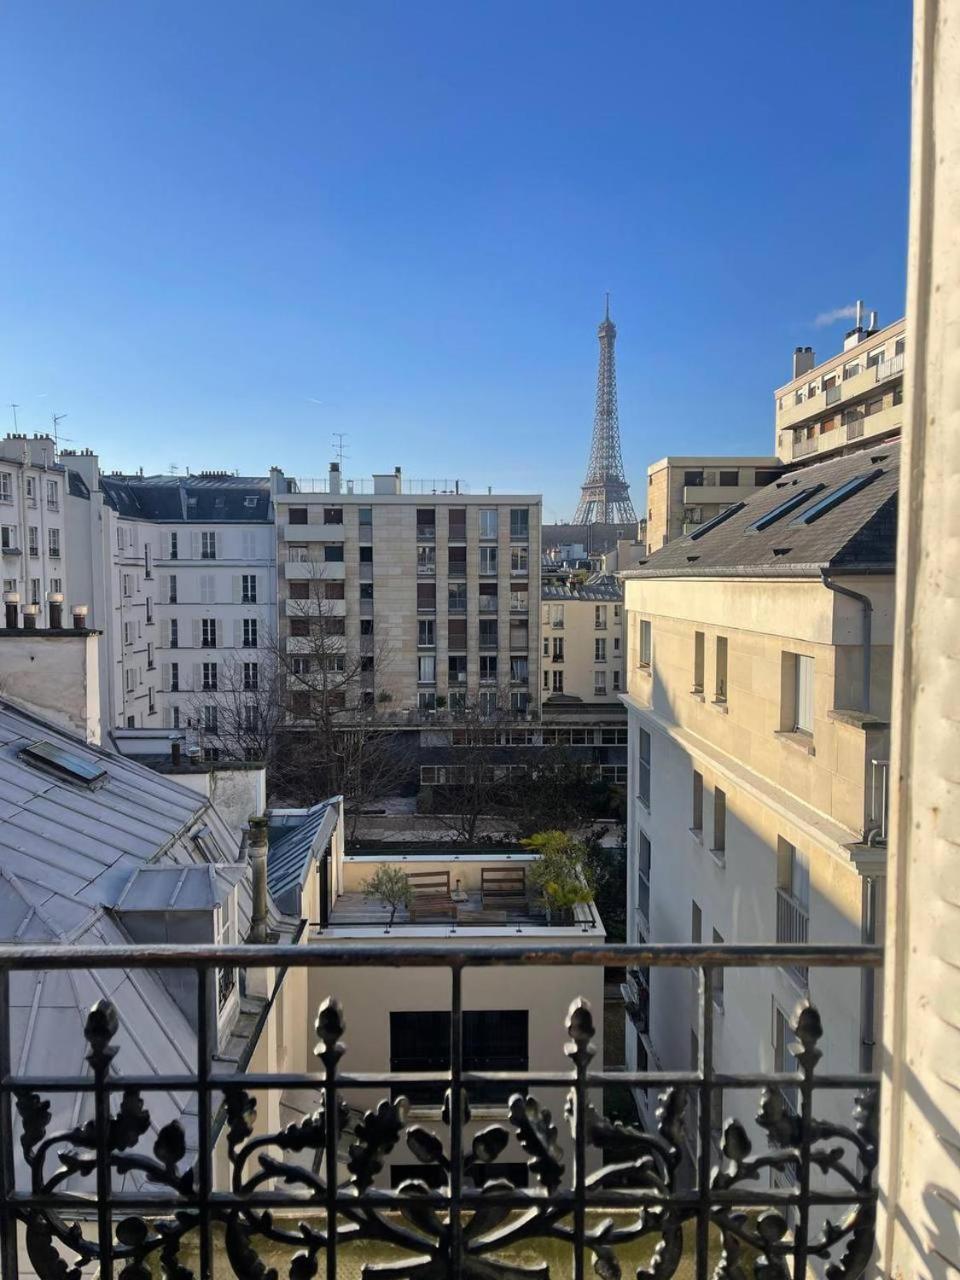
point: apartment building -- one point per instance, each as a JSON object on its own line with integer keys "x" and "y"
{"x": 759, "y": 674}
{"x": 854, "y": 398}
{"x": 583, "y": 649}
{"x": 436, "y": 591}
{"x": 180, "y": 575}
{"x": 684, "y": 492}
{"x": 33, "y": 546}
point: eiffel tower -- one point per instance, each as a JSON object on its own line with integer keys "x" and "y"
{"x": 605, "y": 494}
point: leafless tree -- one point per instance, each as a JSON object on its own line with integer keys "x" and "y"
{"x": 477, "y": 780}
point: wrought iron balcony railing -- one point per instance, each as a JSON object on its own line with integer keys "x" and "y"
{"x": 121, "y": 1195}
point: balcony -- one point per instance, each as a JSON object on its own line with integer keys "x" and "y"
{"x": 703, "y": 495}
{"x": 891, "y": 368}
{"x": 793, "y": 925}
{"x": 804, "y": 448}
{"x": 213, "y": 1167}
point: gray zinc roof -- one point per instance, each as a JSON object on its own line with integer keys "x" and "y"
{"x": 858, "y": 533}
{"x": 291, "y": 852}
{"x": 601, "y": 587}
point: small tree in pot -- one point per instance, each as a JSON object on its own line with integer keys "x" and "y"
{"x": 391, "y": 886}
{"x": 561, "y": 871}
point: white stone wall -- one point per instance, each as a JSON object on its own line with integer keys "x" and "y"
{"x": 33, "y": 502}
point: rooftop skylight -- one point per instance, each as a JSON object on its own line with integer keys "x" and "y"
{"x": 717, "y": 520}
{"x": 784, "y": 508}
{"x": 64, "y": 764}
{"x": 836, "y": 496}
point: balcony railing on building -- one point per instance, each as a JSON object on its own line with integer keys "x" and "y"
{"x": 890, "y": 368}
{"x": 224, "y": 1185}
{"x": 802, "y": 448}
{"x": 793, "y": 926}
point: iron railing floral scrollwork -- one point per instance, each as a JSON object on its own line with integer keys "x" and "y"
{"x": 305, "y": 1191}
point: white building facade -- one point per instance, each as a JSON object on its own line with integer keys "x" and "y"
{"x": 33, "y": 545}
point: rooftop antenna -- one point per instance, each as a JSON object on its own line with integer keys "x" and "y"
{"x": 338, "y": 439}
{"x": 607, "y": 316}
{"x": 57, "y": 419}
{"x": 14, "y": 407}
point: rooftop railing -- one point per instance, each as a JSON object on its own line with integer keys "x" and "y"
{"x": 119, "y": 1196}
{"x": 444, "y": 486}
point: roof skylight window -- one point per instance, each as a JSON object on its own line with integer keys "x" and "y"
{"x": 63, "y": 764}
{"x": 836, "y": 496}
{"x": 784, "y": 508}
{"x": 717, "y": 520}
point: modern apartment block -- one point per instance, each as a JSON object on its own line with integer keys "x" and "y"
{"x": 180, "y": 576}
{"x": 33, "y": 546}
{"x": 583, "y": 649}
{"x": 685, "y": 492}
{"x": 853, "y": 398}
{"x": 759, "y": 685}
{"x": 437, "y": 591}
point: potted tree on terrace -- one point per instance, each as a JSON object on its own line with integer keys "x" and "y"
{"x": 561, "y": 872}
{"x": 391, "y": 887}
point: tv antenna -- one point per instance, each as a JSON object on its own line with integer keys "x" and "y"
{"x": 57, "y": 419}
{"x": 14, "y": 407}
{"x": 338, "y": 439}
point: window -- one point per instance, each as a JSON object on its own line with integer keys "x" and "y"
{"x": 616, "y": 680}
{"x": 366, "y": 555}
{"x": 427, "y": 558}
{"x": 208, "y": 633}
{"x": 718, "y": 974}
{"x": 31, "y": 490}
{"x": 173, "y": 546}
{"x": 487, "y": 702}
{"x": 793, "y": 877}
{"x": 835, "y": 496}
{"x": 693, "y": 515}
{"x": 692, "y": 478}
{"x": 300, "y": 666}
{"x": 426, "y": 522}
{"x": 519, "y": 599}
{"x": 600, "y": 649}
{"x": 298, "y": 553}
{"x": 646, "y": 643}
{"x": 366, "y": 590}
{"x": 719, "y": 821}
{"x": 130, "y": 680}
{"x": 558, "y": 682}
{"x": 333, "y": 553}
{"x": 174, "y": 633}
{"x": 426, "y": 633}
{"x": 519, "y": 522}
{"x": 784, "y": 508}
{"x": 172, "y": 589}
{"x": 457, "y": 597}
{"x": 126, "y": 584}
{"x": 546, "y": 681}
{"x": 457, "y": 668}
{"x": 851, "y": 369}
{"x": 251, "y": 676}
{"x": 720, "y": 690}
{"x": 248, "y": 588}
{"x": 488, "y": 633}
{"x": 53, "y": 494}
{"x": 427, "y": 669}
{"x": 426, "y": 700}
{"x": 729, "y": 478}
{"x": 33, "y": 540}
{"x": 148, "y": 605}
{"x": 128, "y": 633}
{"x": 148, "y": 561}
{"x": 493, "y": 1040}
{"x": 643, "y": 767}
{"x": 488, "y": 522}
{"x": 34, "y": 590}
{"x": 210, "y": 718}
{"x": 8, "y": 535}
{"x": 427, "y": 596}
{"x": 366, "y": 626}
{"x": 488, "y": 559}
{"x": 558, "y": 648}
{"x": 803, "y": 693}
{"x": 250, "y": 633}
{"x": 457, "y": 523}
{"x": 56, "y": 585}
{"x": 519, "y": 670}
{"x": 300, "y": 627}
{"x": 488, "y": 666}
{"x": 53, "y": 542}
{"x": 209, "y": 677}
{"x": 556, "y": 616}
{"x": 251, "y": 717}
{"x": 644, "y": 852}
{"x": 365, "y": 515}
{"x": 599, "y": 683}
{"x": 519, "y": 701}
{"x": 518, "y": 559}
{"x": 600, "y": 616}
{"x": 208, "y": 588}
{"x": 299, "y": 589}
{"x": 333, "y": 515}
{"x": 783, "y": 1059}
{"x": 174, "y": 679}
{"x": 696, "y": 825}
{"x": 696, "y": 923}
{"x": 298, "y": 515}
{"x": 208, "y": 545}
{"x": 698, "y": 652}
{"x": 702, "y": 530}
{"x": 6, "y": 486}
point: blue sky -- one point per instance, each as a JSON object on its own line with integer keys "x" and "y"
{"x": 215, "y": 215}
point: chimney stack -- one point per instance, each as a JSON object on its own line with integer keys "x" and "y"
{"x": 79, "y": 617}
{"x": 11, "y": 603}
{"x": 30, "y": 612}
{"x": 803, "y": 361}
{"x": 55, "y": 608}
{"x": 257, "y": 852}
{"x": 175, "y": 754}
{"x": 334, "y": 477}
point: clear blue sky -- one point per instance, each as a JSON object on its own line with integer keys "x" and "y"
{"x": 214, "y": 214}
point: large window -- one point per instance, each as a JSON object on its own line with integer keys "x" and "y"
{"x": 720, "y": 688}
{"x": 248, "y": 588}
{"x": 456, "y": 597}
{"x": 488, "y": 522}
{"x": 719, "y": 822}
{"x": 493, "y": 1040}
{"x": 519, "y": 522}
{"x": 803, "y": 693}
{"x": 645, "y": 656}
{"x": 698, "y": 651}
{"x": 488, "y": 559}
{"x": 644, "y": 852}
{"x": 696, "y": 825}
{"x": 208, "y": 546}
{"x": 427, "y": 669}
{"x": 426, "y": 633}
{"x": 643, "y": 767}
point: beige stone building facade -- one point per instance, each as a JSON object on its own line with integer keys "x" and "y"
{"x": 583, "y": 649}
{"x": 439, "y": 590}
{"x": 759, "y": 671}
{"x": 689, "y": 491}
{"x": 854, "y": 397}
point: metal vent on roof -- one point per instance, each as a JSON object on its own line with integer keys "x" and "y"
{"x": 63, "y": 764}
{"x": 836, "y": 496}
{"x": 717, "y": 520}
{"x": 784, "y": 508}
{"x": 250, "y": 500}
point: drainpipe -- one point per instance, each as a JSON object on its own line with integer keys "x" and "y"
{"x": 257, "y": 853}
{"x": 867, "y": 616}
{"x": 868, "y": 982}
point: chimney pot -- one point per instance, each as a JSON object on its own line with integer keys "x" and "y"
{"x": 79, "y": 617}
{"x": 257, "y": 853}
{"x": 30, "y": 612}
{"x": 11, "y": 603}
{"x": 55, "y": 609}
{"x": 175, "y": 754}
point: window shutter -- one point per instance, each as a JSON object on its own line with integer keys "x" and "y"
{"x": 194, "y": 544}
{"x": 197, "y": 677}
{"x": 164, "y": 586}
{"x": 217, "y": 632}
{"x": 165, "y": 679}
{"x": 164, "y": 633}
{"x": 237, "y": 593}
{"x": 237, "y": 633}
{"x": 167, "y": 718}
{"x": 196, "y": 633}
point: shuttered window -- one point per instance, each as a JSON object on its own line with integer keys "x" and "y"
{"x": 804, "y": 694}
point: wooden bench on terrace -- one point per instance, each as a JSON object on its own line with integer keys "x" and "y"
{"x": 431, "y": 896}
{"x": 504, "y": 888}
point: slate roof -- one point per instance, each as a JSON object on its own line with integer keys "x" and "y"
{"x": 291, "y": 852}
{"x": 204, "y": 498}
{"x": 858, "y": 534}
{"x": 599, "y": 586}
